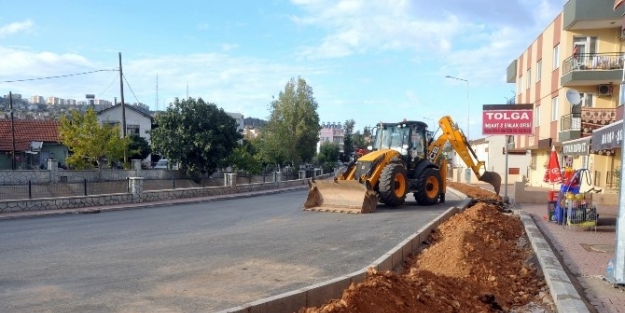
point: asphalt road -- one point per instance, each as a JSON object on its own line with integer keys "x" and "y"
{"x": 190, "y": 258}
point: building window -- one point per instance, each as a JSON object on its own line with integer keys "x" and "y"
{"x": 539, "y": 68}
{"x": 587, "y": 99}
{"x": 529, "y": 78}
{"x": 537, "y": 116}
{"x": 554, "y": 109}
{"x": 556, "y": 57}
{"x": 132, "y": 129}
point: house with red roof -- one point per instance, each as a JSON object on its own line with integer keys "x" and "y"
{"x": 35, "y": 142}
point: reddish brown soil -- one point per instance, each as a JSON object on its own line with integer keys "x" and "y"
{"x": 477, "y": 261}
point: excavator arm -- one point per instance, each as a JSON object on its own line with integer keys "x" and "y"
{"x": 455, "y": 136}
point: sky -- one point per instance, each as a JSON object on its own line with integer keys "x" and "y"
{"x": 370, "y": 61}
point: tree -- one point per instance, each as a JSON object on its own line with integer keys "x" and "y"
{"x": 367, "y": 136}
{"x": 359, "y": 140}
{"x": 196, "y": 134}
{"x": 348, "y": 142}
{"x": 328, "y": 155}
{"x": 244, "y": 157}
{"x": 292, "y": 132}
{"x": 138, "y": 147}
{"x": 89, "y": 141}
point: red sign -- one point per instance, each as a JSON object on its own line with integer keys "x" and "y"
{"x": 515, "y": 119}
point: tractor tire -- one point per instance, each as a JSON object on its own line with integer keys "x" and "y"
{"x": 429, "y": 187}
{"x": 393, "y": 184}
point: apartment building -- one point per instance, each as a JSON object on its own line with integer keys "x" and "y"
{"x": 332, "y": 132}
{"x": 37, "y": 100}
{"x": 55, "y": 101}
{"x": 571, "y": 74}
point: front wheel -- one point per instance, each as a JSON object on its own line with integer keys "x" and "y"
{"x": 429, "y": 187}
{"x": 393, "y": 184}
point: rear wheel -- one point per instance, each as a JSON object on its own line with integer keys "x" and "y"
{"x": 428, "y": 187}
{"x": 393, "y": 184}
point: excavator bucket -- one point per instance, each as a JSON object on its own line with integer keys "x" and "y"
{"x": 492, "y": 178}
{"x": 342, "y": 196}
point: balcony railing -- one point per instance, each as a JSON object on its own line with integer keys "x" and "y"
{"x": 592, "y": 62}
{"x": 598, "y": 116}
{"x": 571, "y": 122}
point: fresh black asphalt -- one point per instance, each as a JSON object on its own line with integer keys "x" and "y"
{"x": 190, "y": 258}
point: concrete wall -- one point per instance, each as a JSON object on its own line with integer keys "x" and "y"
{"x": 458, "y": 175}
{"x": 529, "y": 195}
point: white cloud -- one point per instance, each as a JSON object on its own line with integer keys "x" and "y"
{"x": 476, "y": 38}
{"x": 356, "y": 27}
{"x": 15, "y": 27}
{"x": 238, "y": 84}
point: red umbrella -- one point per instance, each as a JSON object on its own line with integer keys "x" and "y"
{"x": 553, "y": 174}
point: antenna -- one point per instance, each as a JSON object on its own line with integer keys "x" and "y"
{"x": 156, "y": 91}
{"x": 572, "y": 96}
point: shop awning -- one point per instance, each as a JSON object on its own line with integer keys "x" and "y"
{"x": 576, "y": 147}
{"x": 608, "y": 137}
{"x": 618, "y": 3}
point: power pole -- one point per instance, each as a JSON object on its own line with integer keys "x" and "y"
{"x": 121, "y": 89}
{"x": 12, "y": 130}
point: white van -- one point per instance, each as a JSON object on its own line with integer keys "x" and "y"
{"x": 162, "y": 165}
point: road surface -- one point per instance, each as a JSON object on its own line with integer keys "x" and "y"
{"x": 190, "y": 258}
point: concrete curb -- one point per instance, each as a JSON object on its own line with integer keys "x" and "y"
{"x": 564, "y": 294}
{"x": 319, "y": 294}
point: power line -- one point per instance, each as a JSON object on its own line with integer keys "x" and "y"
{"x": 55, "y": 76}
{"x": 129, "y": 87}
{"x": 109, "y": 86}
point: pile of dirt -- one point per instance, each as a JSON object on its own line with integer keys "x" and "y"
{"x": 477, "y": 261}
{"x": 476, "y": 193}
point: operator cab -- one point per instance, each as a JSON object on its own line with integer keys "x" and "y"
{"x": 409, "y": 138}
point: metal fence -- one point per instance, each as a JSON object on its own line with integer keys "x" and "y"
{"x": 88, "y": 188}
{"x": 55, "y": 190}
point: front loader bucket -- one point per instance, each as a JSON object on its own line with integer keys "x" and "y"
{"x": 492, "y": 178}
{"x": 343, "y": 196}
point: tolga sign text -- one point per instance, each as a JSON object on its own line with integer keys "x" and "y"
{"x": 507, "y": 119}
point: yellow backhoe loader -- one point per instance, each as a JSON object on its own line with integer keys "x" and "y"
{"x": 405, "y": 158}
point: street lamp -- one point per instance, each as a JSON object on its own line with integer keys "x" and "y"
{"x": 468, "y": 108}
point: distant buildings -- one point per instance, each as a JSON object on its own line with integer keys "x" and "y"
{"x": 37, "y": 100}
{"x": 332, "y": 132}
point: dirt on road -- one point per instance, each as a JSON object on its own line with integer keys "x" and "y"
{"x": 477, "y": 261}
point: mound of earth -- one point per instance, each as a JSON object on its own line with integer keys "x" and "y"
{"x": 478, "y": 194}
{"x": 477, "y": 261}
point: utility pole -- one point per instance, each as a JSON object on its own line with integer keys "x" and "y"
{"x": 12, "y": 130}
{"x": 156, "y": 91}
{"x": 121, "y": 89}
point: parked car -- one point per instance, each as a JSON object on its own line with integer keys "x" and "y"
{"x": 163, "y": 165}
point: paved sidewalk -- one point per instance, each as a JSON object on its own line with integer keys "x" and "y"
{"x": 583, "y": 253}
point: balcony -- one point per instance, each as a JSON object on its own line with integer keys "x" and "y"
{"x": 593, "y": 118}
{"x": 578, "y": 125}
{"x": 586, "y": 69}
{"x": 596, "y": 14}
{"x": 570, "y": 127}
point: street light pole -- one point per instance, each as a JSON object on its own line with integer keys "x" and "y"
{"x": 468, "y": 107}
